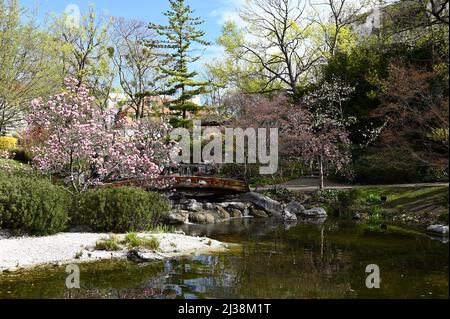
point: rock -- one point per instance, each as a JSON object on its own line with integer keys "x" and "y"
{"x": 178, "y": 217}
{"x": 257, "y": 213}
{"x": 208, "y": 206}
{"x": 294, "y": 208}
{"x": 193, "y": 206}
{"x": 236, "y": 213}
{"x": 289, "y": 217}
{"x": 234, "y": 205}
{"x": 223, "y": 214}
{"x": 265, "y": 203}
{"x": 138, "y": 256}
{"x": 356, "y": 216}
{"x": 197, "y": 218}
{"x": 210, "y": 218}
{"x": 440, "y": 230}
{"x": 314, "y": 213}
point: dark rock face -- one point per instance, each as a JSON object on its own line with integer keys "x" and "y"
{"x": 289, "y": 217}
{"x": 295, "y": 208}
{"x": 314, "y": 213}
{"x": 257, "y": 213}
{"x": 439, "y": 230}
{"x": 265, "y": 203}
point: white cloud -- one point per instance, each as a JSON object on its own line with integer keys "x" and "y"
{"x": 229, "y": 11}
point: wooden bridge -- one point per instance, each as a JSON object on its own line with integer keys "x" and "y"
{"x": 188, "y": 183}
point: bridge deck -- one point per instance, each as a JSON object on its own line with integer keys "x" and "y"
{"x": 190, "y": 183}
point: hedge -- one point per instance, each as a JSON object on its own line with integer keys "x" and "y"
{"x": 33, "y": 205}
{"x": 119, "y": 210}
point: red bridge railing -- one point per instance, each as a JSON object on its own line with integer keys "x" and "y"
{"x": 188, "y": 182}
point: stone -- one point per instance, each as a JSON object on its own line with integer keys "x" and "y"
{"x": 234, "y": 205}
{"x": 197, "y": 218}
{"x": 236, "y": 213}
{"x": 356, "y": 216}
{"x": 210, "y": 218}
{"x": 208, "y": 206}
{"x": 440, "y": 230}
{"x": 314, "y": 213}
{"x": 178, "y": 217}
{"x": 265, "y": 203}
{"x": 257, "y": 213}
{"x": 193, "y": 206}
{"x": 223, "y": 214}
{"x": 138, "y": 256}
{"x": 289, "y": 217}
{"x": 294, "y": 208}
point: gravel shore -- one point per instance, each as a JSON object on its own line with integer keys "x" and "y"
{"x": 67, "y": 248}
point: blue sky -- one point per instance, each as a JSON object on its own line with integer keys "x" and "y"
{"x": 214, "y": 12}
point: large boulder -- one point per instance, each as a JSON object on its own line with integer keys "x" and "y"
{"x": 294, "y": 208}
{"x": 257, "y": 213}
{"x": 193, "y": 206}
{"x": 178, "y": 217}
{"x": 439, "y": 230}
{"x": 265, "y": 203}
{"x": 234, "y": 205}
{"x": 314, "y": 213}
{"x": 289, "y": 217}
{"x": 223, "y": 214}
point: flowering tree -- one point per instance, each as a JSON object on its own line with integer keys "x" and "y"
{"x": 88, "y": 147}
{"x": 325, "y": 142}
{"x": 303, "y": 135}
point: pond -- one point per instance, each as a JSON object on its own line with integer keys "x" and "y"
{"x": 307, "y": 260}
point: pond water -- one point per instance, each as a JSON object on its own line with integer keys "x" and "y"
{"x": 306, "y": 260}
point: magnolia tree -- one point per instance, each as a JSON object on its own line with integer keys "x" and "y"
{"x": 88, "y": 146}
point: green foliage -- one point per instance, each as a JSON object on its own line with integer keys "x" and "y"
{"x": 340, "y": 202}
{"x": 120, "y": 209}
{"x": 444, "y": 217}
{"x": 177, "y": 40}
{"x": 109, "y": 244}
{"x": 387, "y": 167}
{"x": 33, "y": 205}
{"x": 373, "y": 199}
{"x": 132, "y": 240}
{"x": 280, "y": 194}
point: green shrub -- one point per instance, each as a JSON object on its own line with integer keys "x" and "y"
{"x": 132, "y": 240}
{"x": 340, "y": 202}
{"x": 22, "y": 155}
{"x": 108, "y": 244}
{"x": 373, "y": 199}
{"x": 120, "y": 209}
{"x": 33, "y": 205}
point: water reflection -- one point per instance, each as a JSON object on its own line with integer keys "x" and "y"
{"x": 310, "y": 259}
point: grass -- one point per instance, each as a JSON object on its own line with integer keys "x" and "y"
{"x": 132, "y": 240}
{"x": 109, "y": 244}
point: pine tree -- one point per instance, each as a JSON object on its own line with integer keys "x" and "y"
{"x": 176, "y": 48}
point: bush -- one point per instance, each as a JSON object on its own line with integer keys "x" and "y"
{"x": 120, "y": 209}
{"x": 22, "y": 155}
{"x": 7, "y": 144}
{"x": 389, "y": 167}
{"x": 33, "y": 205}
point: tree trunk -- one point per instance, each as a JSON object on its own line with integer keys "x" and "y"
{"x": 321, "y": 175}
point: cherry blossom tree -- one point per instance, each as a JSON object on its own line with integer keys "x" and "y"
{"x": 304, "y": 136}
{"x": 88, "y": 146}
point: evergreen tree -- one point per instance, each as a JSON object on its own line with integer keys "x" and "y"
{"x": 176, "y": 46}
